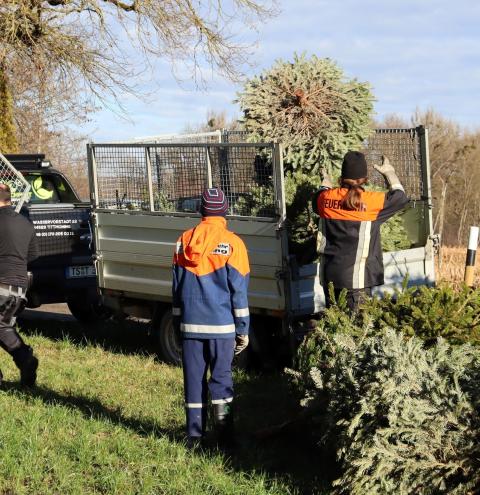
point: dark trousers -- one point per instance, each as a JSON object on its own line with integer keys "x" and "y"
{"x": 355, "y": 297}
{"x": 10, "y": 340}
{"x": 200, "y": 356}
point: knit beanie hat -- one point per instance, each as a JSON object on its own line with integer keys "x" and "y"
{"x": 354, "y": 165}
{"x": 214, "y": 203}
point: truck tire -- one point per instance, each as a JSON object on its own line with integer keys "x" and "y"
{"x": 168, "y": 340}
{"x": 87, "y": 310}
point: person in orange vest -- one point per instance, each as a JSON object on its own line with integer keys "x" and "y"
{"x": 349, "y": 227}
{"x": 210, "y": 310}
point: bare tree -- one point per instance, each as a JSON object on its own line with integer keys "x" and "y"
{"x": 84, "y": 40}
{"x": 58, "y": 56}
{"x": 447, "y": 153}
{"x": 215, "y": 120}
{"x": 455, "y": 172}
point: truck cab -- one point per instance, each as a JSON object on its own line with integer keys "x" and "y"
{"x": 64, "y": 271}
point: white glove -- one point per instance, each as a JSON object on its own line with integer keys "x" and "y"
{"x": 385, "y": 167}
{"x": 241, "y": 343}
{"x": 326, "y": 181}
{"x": 387, "y": 170}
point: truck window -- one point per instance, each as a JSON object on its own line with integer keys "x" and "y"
{"x": 49, "y": 188}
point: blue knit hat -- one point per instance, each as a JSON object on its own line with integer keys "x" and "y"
{"x": 214, "y": 203}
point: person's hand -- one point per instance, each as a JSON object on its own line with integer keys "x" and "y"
{"x": 241, "y": 343}
{"x": 326, "y": 180}
{"x": 386, "y": 167}
{"x": 387, "y": 170}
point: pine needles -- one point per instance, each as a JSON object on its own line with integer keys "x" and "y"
{"x": 396, "y": 403}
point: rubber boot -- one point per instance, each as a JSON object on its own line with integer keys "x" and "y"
{"x": 27, "y": 363}
{"x": 196, "y": 428}
{"x": 195, "y": 443}
{"x": 223, "y": 419}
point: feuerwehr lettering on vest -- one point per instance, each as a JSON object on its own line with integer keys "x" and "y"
{"x": 335, "y": 204}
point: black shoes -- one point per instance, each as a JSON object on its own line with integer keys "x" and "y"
{"x": 194, "y": 443}
{"x": 27, "y": 363}
{"x": 28, "y": 372}
{"x": 223, "y": 419}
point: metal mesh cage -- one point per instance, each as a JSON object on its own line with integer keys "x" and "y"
{"x": 198, "y": 137}
{"x": 19, "y": 187}
{"x": 401, "y": 146}
{"x": 403, "y": 149}
{"x": 172, "y": 177}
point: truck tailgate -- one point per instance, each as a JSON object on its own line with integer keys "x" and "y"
{"x": 135, "y": 252}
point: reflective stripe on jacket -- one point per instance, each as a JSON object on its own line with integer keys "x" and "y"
{"x": 210, "y": 281}
{"x": 350, "y": 240}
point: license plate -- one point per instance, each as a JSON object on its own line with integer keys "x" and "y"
{"x": 80, "y": 271}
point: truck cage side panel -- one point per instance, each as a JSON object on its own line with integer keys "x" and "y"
{"x": 146, "y": 194}
{"x": 19, "y": 187}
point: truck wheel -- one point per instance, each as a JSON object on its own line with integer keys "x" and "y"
{"x": 87, "y": 310}
{"x": 169, "y": 342}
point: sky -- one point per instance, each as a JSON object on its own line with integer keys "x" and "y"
{"x": 414, "y": 53}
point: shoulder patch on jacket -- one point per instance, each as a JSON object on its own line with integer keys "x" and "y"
{"x": 223, "y": 249}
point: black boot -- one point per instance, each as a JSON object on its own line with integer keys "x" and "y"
{"x": 195, "y": 443}
{"x": 27, "y": 363}
{"x": 1, "y": 378}
{"x": 223, "y": 418}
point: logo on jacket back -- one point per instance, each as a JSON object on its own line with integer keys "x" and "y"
{"x": 223, "y": 248}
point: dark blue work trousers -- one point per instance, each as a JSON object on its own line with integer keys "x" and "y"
{"x": 200, "y": 356}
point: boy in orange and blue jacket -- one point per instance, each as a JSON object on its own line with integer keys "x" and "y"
{"x": 210, "y": 310}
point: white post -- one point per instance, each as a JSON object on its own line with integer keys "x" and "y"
{"x": 471, "y": 253}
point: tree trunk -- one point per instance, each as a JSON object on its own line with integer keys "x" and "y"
{"x": 8, "y": 138}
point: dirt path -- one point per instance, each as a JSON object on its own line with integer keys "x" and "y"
{"x": 57, "y": 312}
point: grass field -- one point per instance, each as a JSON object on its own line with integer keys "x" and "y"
{"x": 106, "y": 418}
{"x": 450, "y": 265}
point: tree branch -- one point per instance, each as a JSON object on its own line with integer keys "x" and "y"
{"x": 122, "y": 5}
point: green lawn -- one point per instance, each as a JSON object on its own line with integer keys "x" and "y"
{"x": 109, "y": 419}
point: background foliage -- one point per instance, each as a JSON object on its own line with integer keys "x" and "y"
{"x": 393, "y": 391}
{"x": 403, "y": 419}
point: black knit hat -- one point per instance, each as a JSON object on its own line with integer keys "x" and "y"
{"x": 354, "y": 165}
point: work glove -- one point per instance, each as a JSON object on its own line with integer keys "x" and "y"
{"x": 326, "y": 180}
{"x": 387, "y": 170}
{"x": 241, "y": 343}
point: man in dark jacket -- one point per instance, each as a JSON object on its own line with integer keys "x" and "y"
{"x": 18, "y": 246}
